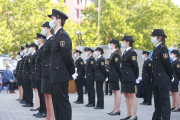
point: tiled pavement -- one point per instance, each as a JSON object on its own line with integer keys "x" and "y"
{"x": 12, "y": 110}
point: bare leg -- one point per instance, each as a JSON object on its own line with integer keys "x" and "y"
{"x": 128, "y": 104}
{"x": 173, "y": 100}
{"x": 21, "y": 92}
{"x": 47, "y": 107}
{"x": 36, "y": 105}
{"x": 52, "y": 116}
{"x": 117, "y": 100}
{"x": 176, "y": 97}
{"x": 134, "y": 103}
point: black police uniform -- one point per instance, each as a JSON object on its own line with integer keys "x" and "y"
{"x": 19, "y": 74}
{"x": 100, "y": 75}
{"x": 81, "y": 72}
{"x": 62, "y": 68}
{"x": 90, "y": 78}
{"x": 38, "y": 62}
{"x": 176, "y": 75}
{"x": 146, "y": 81}
{"x": 161, "y": 77}
{"x": 107, "y": 82}
{"x": 45, "y": 68}
{"x": 26, "y": 77}
{"x": 33, "y": 76}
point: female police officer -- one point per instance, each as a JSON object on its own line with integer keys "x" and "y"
{"x": 114, "y": 74}
{"x": 161, "y": 76}
{"x": 174, "y": 84}
{"x": 100, "y": 75}
{"x": 129, "y": 74}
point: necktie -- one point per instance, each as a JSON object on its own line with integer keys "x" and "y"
{"x": 125, "y": 51}
{"x": 46, "y": 40}
{"x": 54, "y": 34}
{"x": 97, "y": 59}
{"x": 155, "y": 48}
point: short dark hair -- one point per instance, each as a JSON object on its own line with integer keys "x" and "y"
{"x": 62, "y": 22}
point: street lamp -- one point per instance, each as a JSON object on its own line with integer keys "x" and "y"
{"x": 79, "y": 33}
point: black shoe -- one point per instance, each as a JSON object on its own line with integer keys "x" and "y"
{"x": 23, "y": 102}
{"x": 147, "y": 104}
{"x": 98, "y": 108}
{"x": 109, "y": 113}
{"x": 178, "y": 110}
{"x": 86, "y": 104}
{"x": 41, "y": 115}
{"x": 36, "y": 114}
{"x": 126, "y": 118}
{"x": 142, "y": 103}
{"x": 34, "y": 109}
{"x": 91, "y": 105}
{"x": 173, "y": 108}
{"x": 135, "y": 118}
{"x": 28, "y": 105}
{"x": 17, "y": 99}
{"x": 79, "y": 102}
{"x": 116, "y": 113}
{"x": 110, "y": 94}
{"x": 85, "y": 93}
{"x": 75, "y": 101}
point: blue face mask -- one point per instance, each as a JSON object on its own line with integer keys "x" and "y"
{"x": 154, "y": 40}
{"x": 25, "y": 51}
{"x": 51, "y": 24}
{"x": 86, "y": 54}
{"x": 75, "y": 55}
{"x": 109, "y": 46}
{"x": 43, "y": 31}
{"x": 17, "y": 57}
{"x": 171, "y": 56}
{"x": 9, "y": 69}
{"x": 30, "y": 50}
{"x": 123, "y": 45}
{"x": 143, "y": 57}
{"x": 95, "y": 53}
{"x": 21, "y": 53}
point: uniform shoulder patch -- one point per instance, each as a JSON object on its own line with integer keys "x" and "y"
{"x": 149, "y": 64}
{"x": 29, "y": 60}
{"x": 116, "y": 59}
{"x": 81, "y": 63}
{"x": 62, "y": 43}
{"x": 165, "y": 55}
{"x": 92, "y": 62}
{"x": 133, "y": 57}
{"x": 178, "y": 65}
{"x": 102, "y": 63}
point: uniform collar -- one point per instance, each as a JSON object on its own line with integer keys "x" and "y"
{"x": 19, "y": 59}
{"x": 113, "y": 50}
{"x": 40, "y": 46}
{"x": 57, "y": 30}
{"x": 78, "y": 57}
{"x": 158, "y": 44}
{"x": 99, "y": 56}
{"x": 174, "y": 59}
{"x": 33, "y": 52}
{"x": 48, "y": 37}
{"x": 128, "y": 49}
{"x": 89, "y": 56}
{"x": 146, "y": 59}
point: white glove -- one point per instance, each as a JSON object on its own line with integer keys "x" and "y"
{"x": 172, "y": 80}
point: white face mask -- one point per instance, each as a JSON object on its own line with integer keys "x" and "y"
{"x": 154, "y": 40}
{"x": 36, "y": 42}
{"x": 86, "y": 54}
{"x": 143, "y": 57}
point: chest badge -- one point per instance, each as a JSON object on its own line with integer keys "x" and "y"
{"x": 91, "y": 62}
{"x": 116, "y": 59}
{"x": 102, "y": 63}
{"x": 81, "y": 63}
{"x": 178, "y": 65}
{"x": 149, "y": 64}
{"x": 165, "y": 55}
{"x": 62, "y": 43}
{"x": 133, "y": 57}
{"x": 29, "y": 60}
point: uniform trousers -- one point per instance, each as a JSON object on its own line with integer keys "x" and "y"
{"x": 42, "y": 108}
{"x": 79, "y": 89}
{"x": 24, "y": 91}
{"x": 144, "y": 92}
{"x": 162, "y": 103}
{"x": 100, "y": 94}
{"x": 60, "y": 99}
{"x": 107, "y": 88}
{"x": 28, "y": 92}
{"x": 148, "y": 91}
{"x": 91, "y": 92}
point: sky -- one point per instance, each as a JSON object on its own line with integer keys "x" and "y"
{"x": 177, "y": 2}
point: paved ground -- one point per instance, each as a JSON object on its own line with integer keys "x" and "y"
{"x": 12, "y": 110}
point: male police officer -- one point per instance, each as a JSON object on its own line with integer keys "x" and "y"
{"x": 62, "y": 66}
{"x": 146, "y": 78}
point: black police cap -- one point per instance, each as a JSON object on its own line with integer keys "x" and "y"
{"x": 128, "y": 38}
{"x": 88, "y": 49}
{"x": 58, "y": 14}
{"x": 27, "y": 45}
{"x": 18, "y": 53}
{"x": 158, "y": 32}
{"x": 46, "y": 24}
{"x": 78, "y": 51}
{"x": 40, "y": 36}
{"x": 115, "y": 42}
{"x": 107, "y": 59}
{"x": 22, "y": 48}
{"x": 32, "y": 45}
{"x": 145, "y": 52}
{"x": 100, "y": 49}
{"x": 175, "y": 52}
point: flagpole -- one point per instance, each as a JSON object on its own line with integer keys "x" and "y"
{"x": 99, "y": 11}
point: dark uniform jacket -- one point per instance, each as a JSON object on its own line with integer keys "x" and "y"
{"x": 176, "y": 71}
{"x": 161, "y": 66}
{"x": 147, "y": 70}
{"x": 62, "y": 63}
{"x": 107, "y": 72}
{"x": 130, "y": 69}
{"x": 38, "y": 62}
{"x": 114, "y": 66}
{"x": 80, "y": 68}
{"x": 32, "y": 63}
{"x": 27, "y": 69}
{"x": 46, "y": 53}
{"x": 100, "y": 70}
{"x": 19, "y": 70}
{"x": 90, "y": 69}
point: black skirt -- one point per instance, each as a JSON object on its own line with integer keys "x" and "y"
{"x": 19, "y": 82}
{"x": 128, "y": 87}
{"x": 45, "y": 86}
{"x": 173, "y": 88}
{"x": 33, "y": 84}
{"x": 114, "y": 85}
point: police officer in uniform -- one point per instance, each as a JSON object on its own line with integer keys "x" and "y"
{"x": 175, "y": 81}
{"x": 62, "y": 66}
{"x": 81, "y": 72}
{"x": 26, "y": 77}
{"x": 38, "y": 61}
{"x": 107, "y": 82}
{"x": 45, "y": 71}
{"x": 146, "y": 79}
{"x": 161, "y": 76}
{"x": 90, "y": 76}
{"x": 100, "y": 75}
{"x": 129, "y": 74}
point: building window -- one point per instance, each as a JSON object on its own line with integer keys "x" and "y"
{"x": 83, "y": 2}
{"x": 77, "y": 2}
{"x": 82, "y": 16}
{"x": 76, "y": 13}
